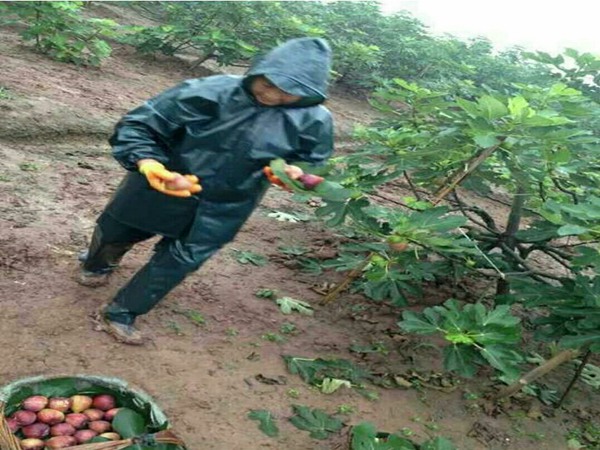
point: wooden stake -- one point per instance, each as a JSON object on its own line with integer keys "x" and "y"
{"x": 538, "y": 372}
{"x": 354, "y": 273}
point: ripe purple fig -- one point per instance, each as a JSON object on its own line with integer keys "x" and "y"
{"x": 94, "y": 414}
{"x": 104, "y": 402}
{"x": 112, "y": 436}
{"x": 61, "y": 442}
{"x": 50, "y": 416}
{"x": 80, "y": 403}
{"x": 13, "y": 426}
{"x": 77, "y": 420}
{"x": 310, "y": 181}
{"x": 99, "y": 426}
{"x": 24, "y": 418}
{"x": 32, "y": 444}
{"x": 62, "y": 429}
{"x": 61, "y": 404}
{"x": 111, "y": 413}
{"x": 35, "y": 403}
{"x": 36, "y": 430}
{"x": 82, "y": 436}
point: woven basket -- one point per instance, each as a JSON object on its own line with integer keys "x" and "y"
{"x": 8, "y": 441}
{"x": 12, "y": 394}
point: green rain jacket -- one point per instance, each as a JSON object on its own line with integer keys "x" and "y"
{"x": 214, "y": 128}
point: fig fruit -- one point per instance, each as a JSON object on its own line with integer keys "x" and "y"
{"x": 82, "y": 436}
{"x": 94, "y": 414}
{"x": 61, "y": 442}
{"x": 99, "y": 426}
{"x": 104, "y": 402}
{"x": 32, "y": 444}
{"x": 36, "y": 430}
{"x": 112, "y": 436}
{"x": 77, "y": 420}
{"x": 397, "y": 243}
{"x": 24, "y": 418}
{"x": 62, "y": 429}
{"x": 81, "y": 403}
{"x": 50, "y": 416}
{"x": 398, "y": 246}
{"x": 310, "y": 181}
{"x": 13, "y": 426}
{"x": 61, "y": 404}
{"x": 111, "y": 413}
{"x": 35, "y": 403}
{"x": 179, "y": 183}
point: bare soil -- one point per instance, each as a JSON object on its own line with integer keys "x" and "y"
{"x": 56, "y": 175}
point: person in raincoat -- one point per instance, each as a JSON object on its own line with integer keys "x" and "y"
{"x": 219, "y": 132}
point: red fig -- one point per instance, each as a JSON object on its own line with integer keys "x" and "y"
{"x": 111, "y": 413}
{"x": 61, "y": 442}
{"x": 99, "y": 426}
{"x": 94, "y": 414}
{"x": 35, "y": 403}
{"x": 82, "y": 436}
{"x": 24, "y": 418}
{"x": 32, "y": 444}
{"x": 36, "y": 430}
{"x": 62, "y": 429}
{"x": 179, "y": 183}
{"x": 104, "y": 402}
{"x": 61, "y": 404}
{"x": 80, "y": 403}
{"x": 77, "y": 420}
{"x": 310, "y": 181}
{"x": 111, "y": 436}
{"x": 50, "y": 416}
{"x": 13, "y": 426}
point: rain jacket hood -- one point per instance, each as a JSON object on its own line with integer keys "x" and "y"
{"x": 299, "y": 67}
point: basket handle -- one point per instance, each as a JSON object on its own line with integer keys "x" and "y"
{"x": 162, "y": 437}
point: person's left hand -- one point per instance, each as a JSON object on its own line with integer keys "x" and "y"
{"x": 274, "y": 179}
{"x": 294, "y": 172}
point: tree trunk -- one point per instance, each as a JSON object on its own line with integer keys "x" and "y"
{"x": 512, "y": 226}
{"x": 200, "y": 60}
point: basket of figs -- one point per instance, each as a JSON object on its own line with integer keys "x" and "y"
{"x": 81, "y": 413}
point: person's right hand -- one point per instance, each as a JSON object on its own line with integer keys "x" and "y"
{"x": 167, "y": 182}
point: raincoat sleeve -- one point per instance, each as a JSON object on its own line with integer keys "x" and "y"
{"x": 148, "y": 130}
{"x": 316, "y": 140}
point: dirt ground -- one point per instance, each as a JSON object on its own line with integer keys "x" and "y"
{"x": 56, "y": 175}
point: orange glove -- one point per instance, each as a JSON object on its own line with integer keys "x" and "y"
{"x": 274, "y": 179}
{"x": 167, "y": 182}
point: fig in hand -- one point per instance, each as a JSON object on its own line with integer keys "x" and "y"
{"x": 310, "y": 181}
{"x": 179, "y": 183}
